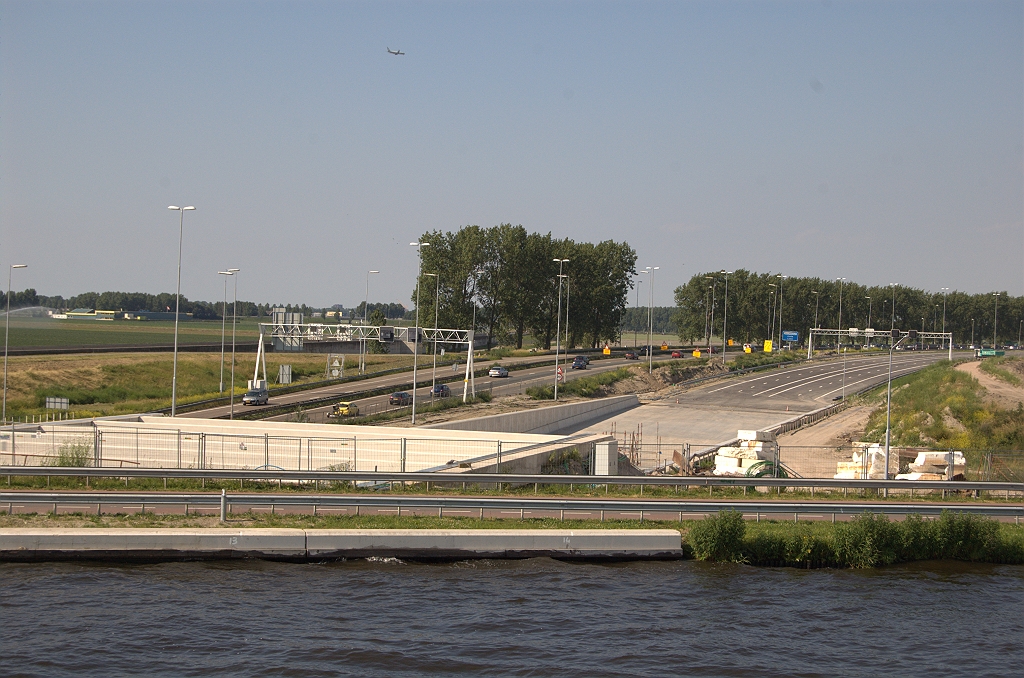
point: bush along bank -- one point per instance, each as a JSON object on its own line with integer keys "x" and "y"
{"x": 867, "y": 541}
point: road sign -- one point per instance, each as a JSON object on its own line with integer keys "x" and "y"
{"x": 696, "y": 353}
{"x": 788, "y": 335}
{"x": 560, "y": 375}
{"x": 56, "y": 403}
{"x": 607, "y": 350}
{"x": 746, "y": 348}
{"x": 664, "y": 347}
{"x": 767, "y": 345}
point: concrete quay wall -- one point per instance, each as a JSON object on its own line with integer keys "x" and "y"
{"x": 39, "y": 544}
{"x": 554, "y": 419}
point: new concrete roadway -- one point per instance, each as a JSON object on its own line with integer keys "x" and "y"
{"x": 713, "y": 413}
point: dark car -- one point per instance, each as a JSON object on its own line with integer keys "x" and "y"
{"x": 631, "y": 355}
{"x": 399, "y": 398}
{"x": 440, "y": 391}
{"x": 579, "y": 363}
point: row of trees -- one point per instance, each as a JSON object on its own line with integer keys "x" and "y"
{"x": 141, "y": 301}
{"x": 511, "y": 277}
{"x": 757, "y": 301}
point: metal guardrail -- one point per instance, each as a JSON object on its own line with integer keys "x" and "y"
{"x": 710, "y": 482}
{"x": 644, "y": 508}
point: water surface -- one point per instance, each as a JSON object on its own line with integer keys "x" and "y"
{"x": 535, "y": 617}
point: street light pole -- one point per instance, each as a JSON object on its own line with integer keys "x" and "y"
{"x": 362, "y": 340}
{"x": 638, "y": 282}
{"x": 558, "y": 322}
{"x": 893, "y": 286}
{"x": 995, "y": 321}
{"x": 781, "y": 279}
{"x": 177, "y": 307}
{"x": 7, "y": 336}
{"x": 868, "y": 326}
{"x": 972, "y": 332}
{"x": 711, "y": 326}
{"x": 944, "y": 291}
{"x": 840, "y": 328}
{"x": 725, "y": 313}
{"x": 223, "y": 320}
{"x": 888, "y": 399}
{"x": 416, "y": 336}
{"x": 437, "y": 297}
{"x": 771, "y": 312}
{"x": 650, "y": 321}
{"x": 234, "y": 315}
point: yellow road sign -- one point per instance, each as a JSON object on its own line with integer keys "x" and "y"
{"x": 767, "y": 345}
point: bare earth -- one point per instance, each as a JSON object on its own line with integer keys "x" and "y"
{"x": 836, "y": 431}
{"x": 997, "y": 391}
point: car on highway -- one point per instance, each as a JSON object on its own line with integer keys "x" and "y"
{"x": 440, "y": 391}
{"x": 256, "y": 396}
{"x": 677, "y": 354}
{"x": 344, "y": 410}
{"x": 497, "y": 371}
{"x": 400, "y": 398}
{"x": 579, "y": 363}
{"x": 631, "y": 355}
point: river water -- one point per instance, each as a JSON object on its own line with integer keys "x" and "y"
{"x": 535, "y": 617}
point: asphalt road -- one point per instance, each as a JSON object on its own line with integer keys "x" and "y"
{"x": 516, "y": 382}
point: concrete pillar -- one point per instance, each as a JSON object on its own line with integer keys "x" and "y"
{"x": 606, "y": 458}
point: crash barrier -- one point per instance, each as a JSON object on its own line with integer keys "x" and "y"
{"x": 504, "y": 507}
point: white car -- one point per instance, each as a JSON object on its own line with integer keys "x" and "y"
{"x": 497, "y": 371}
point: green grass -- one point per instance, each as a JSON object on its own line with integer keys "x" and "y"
{"x": 994, "y": 367}
{"x": 586, "y": 387}
{"x": 119, "y": 383}
{"x": 943, "y": 408}
{"x": 745, "y": 360}
{"x": 46, "y": 332}
{"x": 868, "y": 541}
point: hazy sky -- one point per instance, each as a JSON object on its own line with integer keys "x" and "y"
{"x": 879, "y": 141}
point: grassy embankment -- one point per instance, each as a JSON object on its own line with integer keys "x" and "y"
{"x": 668, "y": 372}
{"x": 46, "y": 332}
{"x": 868, "y": 541}
{"x": 120, "y": 383}
{"x": 943, "y": 408}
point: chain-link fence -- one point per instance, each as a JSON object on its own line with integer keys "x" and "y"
{"x": 132, "y": 447}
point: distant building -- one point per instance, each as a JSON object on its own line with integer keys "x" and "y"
{"x": 92, "y": 314}
{"x": 155, "y": 315}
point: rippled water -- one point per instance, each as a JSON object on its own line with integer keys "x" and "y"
{"x": 537, "y": 617}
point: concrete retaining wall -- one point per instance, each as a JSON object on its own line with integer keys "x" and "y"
{"x": 554, "y": 419}
{"x": 29, "y": 544}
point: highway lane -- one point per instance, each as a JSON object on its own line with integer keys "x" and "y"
{"x": 806, "y": 387}
{"x": 350, "y": 390}
{"x": 516, "y": 382}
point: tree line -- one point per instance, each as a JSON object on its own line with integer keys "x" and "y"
{"x": 512, "y": 279}
{"x": 759, "y": 301}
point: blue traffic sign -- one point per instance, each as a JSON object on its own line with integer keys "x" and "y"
{"x": 790, "y": 336}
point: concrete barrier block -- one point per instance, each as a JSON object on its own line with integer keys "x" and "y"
{"x": 446, "y": 544}
{"x": 35, "y": 543}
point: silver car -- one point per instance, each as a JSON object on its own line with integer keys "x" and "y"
{"x": 257, "y": 396}
{"x": 497, "y": 371}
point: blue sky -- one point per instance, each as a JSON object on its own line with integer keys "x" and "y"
{"x": 878, "y": 141}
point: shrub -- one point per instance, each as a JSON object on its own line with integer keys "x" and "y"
{"x": 72, "y": 453}
{"x": 719, "y": 537}
{"x": 867, "y": 541}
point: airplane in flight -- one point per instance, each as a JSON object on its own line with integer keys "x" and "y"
{"x": 396, "y": 52}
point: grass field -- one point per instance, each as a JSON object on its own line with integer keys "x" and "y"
{"x": 46, "y": 332}
{"x": 121, "y": 383}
